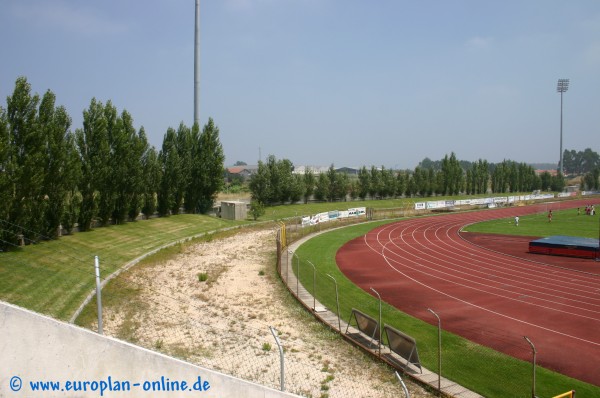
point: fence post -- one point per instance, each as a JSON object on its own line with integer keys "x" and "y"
{"x": 380, "y": 332}
{"x": 403, "y": 385}
{"x": 98, "y": 293}
{"x": 297, "y": 271}
{"x": 281, "y": 361}
{"x": 534, "y": 354}
{"x": 287, "y": 267}
{"x": 297, "y": 275}
{"x": 314, "y": 284}
{"x": 439, "y": 350}
{"x": 337, "y": 301}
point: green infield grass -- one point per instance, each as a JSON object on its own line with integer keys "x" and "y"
{"x": 564, "y": 222}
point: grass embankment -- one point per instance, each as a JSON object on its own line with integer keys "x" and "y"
{"x": 54, "y": 277}
{"x": 478, "y": 368}
{"x": 564, "y": 222}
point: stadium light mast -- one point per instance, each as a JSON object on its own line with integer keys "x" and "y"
{"x": 197, "y": 66}
{"x": 562, "y": 87}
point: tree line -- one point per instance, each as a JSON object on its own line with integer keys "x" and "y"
{"x": 580, "y": 162}
{"x": 276, "y": 183}
{"x": 105, "y": 172}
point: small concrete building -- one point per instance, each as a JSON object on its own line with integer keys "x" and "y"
{"x": 234, "y": 210}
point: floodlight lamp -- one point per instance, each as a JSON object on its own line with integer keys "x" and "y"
{"x": 562, "y": 86}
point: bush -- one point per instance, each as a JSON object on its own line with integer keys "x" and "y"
{"x": 257, "y": 209}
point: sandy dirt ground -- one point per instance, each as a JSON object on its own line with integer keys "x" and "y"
{"x": 213, "y": 304}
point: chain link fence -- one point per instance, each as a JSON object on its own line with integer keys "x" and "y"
{"x": 153, "y": 306}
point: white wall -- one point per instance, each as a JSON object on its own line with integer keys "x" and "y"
{"x": 38, "y": 348}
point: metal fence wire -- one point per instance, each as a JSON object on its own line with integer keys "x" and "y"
{"x": 210, "y": 332}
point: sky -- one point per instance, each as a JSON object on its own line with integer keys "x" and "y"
{"x": 321, "y": 82}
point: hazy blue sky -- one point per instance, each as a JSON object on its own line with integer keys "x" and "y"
{"x": 348, "y": 82}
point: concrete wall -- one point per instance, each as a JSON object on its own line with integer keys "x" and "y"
{"x": 36, "y": 348}
{"x": 234, "y": 210}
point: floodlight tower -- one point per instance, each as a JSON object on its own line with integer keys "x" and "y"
{"x": 197, "y": 65}
{"x": 562, "y": 87}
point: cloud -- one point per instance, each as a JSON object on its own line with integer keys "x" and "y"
{"x": 479, "y": 43}
{"x": 71, "y": 17}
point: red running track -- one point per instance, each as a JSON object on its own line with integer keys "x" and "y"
{"x": 486, "y": 296}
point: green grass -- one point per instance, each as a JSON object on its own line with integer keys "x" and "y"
{"x": 54, "y": 277}
{"x": 564, "y": 222}
{"x": 478, "y": 368}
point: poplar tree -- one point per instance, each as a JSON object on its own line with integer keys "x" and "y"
{"x": 283, "y": 170}
{"x": 322, "y": 187}
{"x": 309, "y": 184}
{"x": 211, "y": 164}
{"x": 388, "y": 182}
{"x": 374, "y": 183}
{"x": 27, "y": 161}
{"x": 151, "y": 181}
{"x": 107, "y": 180}
{"x": 72, "y": 176}
{"x": 140, "y": 148}
{"x": 364, "y": 183}
{"x": 170, "y": 166}
{"x": 94, "y": 154}
{"x": 401, "y": 182}
{"x": 55, "y": 123}
{"x": 333, "y": 182}
{"x": 274, "y": 180}
{"x": 6, "y": 184}
{"x": 125, "y": 167}
{"x": 260, "y": 185}
{"x": 297, "y": 188}
{"x": 185, "y": 147}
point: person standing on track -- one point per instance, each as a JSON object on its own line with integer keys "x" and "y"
{"x": 550, "y": 215}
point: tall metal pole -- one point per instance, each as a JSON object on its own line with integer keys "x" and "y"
{"x": 197, "y": 66}
{"x": 562, "y": 87}
{"x": 561, "y": 167}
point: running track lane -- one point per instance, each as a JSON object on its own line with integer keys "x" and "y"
{"x": 485, "y": 296}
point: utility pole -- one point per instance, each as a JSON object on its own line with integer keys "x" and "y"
{"x": 562, "y": 87}
{"x": 197, "y": 66}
